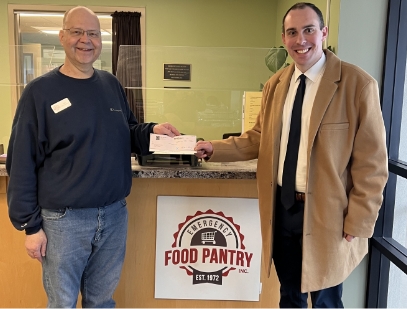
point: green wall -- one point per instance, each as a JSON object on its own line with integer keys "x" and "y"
{"x": 5, "y": 92}
{"x": 213, "y": 23}
{"x": 333, "y": 30}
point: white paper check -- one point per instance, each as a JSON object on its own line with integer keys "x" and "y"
{"x": 163, "y": 144}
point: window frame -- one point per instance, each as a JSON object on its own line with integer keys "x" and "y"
{"x": 14, "y": 39}
{"x": 383, "y": 248}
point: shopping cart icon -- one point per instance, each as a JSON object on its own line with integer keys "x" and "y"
{"x": 208, "y": 237}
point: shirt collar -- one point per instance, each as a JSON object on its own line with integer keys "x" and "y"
{"x": 313, "y": 72}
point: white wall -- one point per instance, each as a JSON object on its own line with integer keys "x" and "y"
{"x": 361, "y": 39}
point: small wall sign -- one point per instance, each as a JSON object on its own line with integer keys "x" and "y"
{"x": 175, "y": 71}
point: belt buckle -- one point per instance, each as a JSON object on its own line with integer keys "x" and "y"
{"x": 300, "y": 197}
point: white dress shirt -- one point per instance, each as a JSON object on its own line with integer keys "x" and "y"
{"x": 312, "y": 82}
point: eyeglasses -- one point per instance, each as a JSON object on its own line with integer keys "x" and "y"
{"x": 78, "y": 32}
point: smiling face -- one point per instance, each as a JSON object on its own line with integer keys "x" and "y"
{"x": 81, "y": 51}
{"x": 303, "y": 37}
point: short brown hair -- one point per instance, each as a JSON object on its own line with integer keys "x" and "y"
{"x": 303, "y": 5}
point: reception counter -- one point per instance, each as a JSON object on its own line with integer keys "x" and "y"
{"x": 204, "y": 170}
{"x": 137, "y": 284}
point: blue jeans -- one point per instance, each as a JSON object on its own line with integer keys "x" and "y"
{"x": 85, "y": 252}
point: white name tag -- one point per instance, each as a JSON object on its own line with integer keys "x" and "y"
{"x": 61, "y": 105}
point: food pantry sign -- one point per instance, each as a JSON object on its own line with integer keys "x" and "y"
{"x": 207, "y": 248}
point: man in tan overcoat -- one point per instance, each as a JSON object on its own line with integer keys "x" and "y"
{"x": 341, "y": 168}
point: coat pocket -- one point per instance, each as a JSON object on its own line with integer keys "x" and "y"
{"x": 335, "y": 126}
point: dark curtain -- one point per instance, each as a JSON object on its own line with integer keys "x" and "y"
{"x": 126, "y": 58}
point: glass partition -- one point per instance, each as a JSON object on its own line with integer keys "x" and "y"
{"x": 197, "y": 89}
{"x": 47, "y": 57}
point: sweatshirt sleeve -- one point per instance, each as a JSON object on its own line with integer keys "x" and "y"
{"x": 23, "y": 158}
{"x": 140, "y": 135}
{"x": 139, "y": 132}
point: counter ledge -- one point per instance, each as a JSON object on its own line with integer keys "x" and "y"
{"x": 207, "y": 170}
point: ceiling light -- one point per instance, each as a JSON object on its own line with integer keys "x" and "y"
{"x": 50, "y": 31}
{"x": 54, "y": 30}
{"x": 40, "y": 14}
{"x": 53, "y": 14}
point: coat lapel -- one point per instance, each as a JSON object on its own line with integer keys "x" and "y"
{"x": 277, "y": 113}
{"x": 324, "y": 95}
{"x": 279, "y": 99}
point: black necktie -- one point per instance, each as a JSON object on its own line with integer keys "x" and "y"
{"x": 291, "y": 157}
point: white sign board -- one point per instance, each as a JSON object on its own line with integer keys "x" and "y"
{"x": 208, "y": 248}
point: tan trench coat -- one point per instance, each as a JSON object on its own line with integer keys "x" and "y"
{"x": 347, "y": 168}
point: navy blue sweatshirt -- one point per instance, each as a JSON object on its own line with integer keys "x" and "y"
{"x": 77, "y": 157}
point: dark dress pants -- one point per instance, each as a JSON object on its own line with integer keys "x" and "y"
{"x": 287, "y": 256}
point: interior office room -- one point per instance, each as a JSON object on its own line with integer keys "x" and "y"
{"x": 224, "y": 43}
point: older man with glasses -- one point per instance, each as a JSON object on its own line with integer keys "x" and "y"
{"x": 70, "y": 171}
